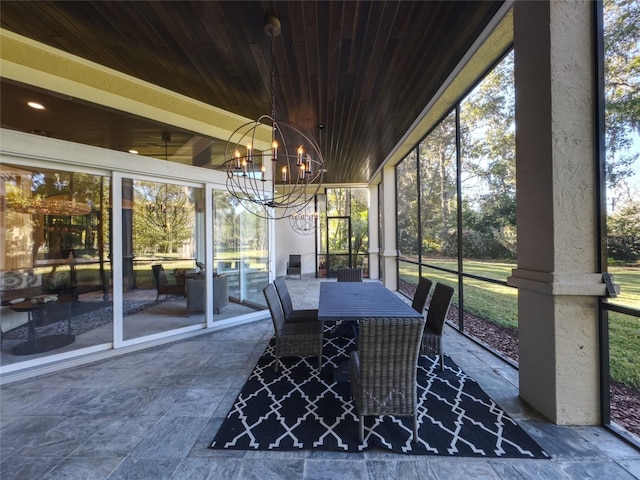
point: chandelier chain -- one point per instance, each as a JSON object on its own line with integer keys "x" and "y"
{"x": 273, "y": 81}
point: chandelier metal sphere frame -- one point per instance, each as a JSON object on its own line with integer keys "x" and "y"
{"x": 305, "y": 221}
{"x": 283, "y": 179}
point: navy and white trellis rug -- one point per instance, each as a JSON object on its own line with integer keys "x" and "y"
{"x": 299, "y": 407}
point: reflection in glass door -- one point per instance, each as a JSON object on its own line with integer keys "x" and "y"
{"x": 54, "y": 245}
{"x": 240, "y": 250}
{"x": 162, "y": 237}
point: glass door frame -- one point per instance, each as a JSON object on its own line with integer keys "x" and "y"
{"x": 118, "y": 263}
{"x": 349, "y": 254}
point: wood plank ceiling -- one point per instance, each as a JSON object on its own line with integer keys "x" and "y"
{"x": 364, "y": 69}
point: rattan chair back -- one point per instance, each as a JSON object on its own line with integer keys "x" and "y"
{"x": 275, "y": 307}
{"x": 291, "y": 315}
{"x": 439, "y": 308}
{"x": 384, "y": 369}
{"x": 436, "y": 316}
{"x": 302, "y": 339}
{"x": 283, "y": 293}
{"x": 349, "y": 274}
{"x": 421, "y": 295}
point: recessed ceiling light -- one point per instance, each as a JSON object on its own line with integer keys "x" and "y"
{"x": 135, "y": 152}
{"x": 36, "y": 105}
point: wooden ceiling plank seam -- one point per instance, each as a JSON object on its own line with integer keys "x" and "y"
{"x": 80, "y": 40}
{"x": 188, "y": 44}
{"x": 322, "y": 22}
{"x": 219, "y": 39}
{"x": 357, "y": 77}
{"x": 340, "y": 99}
{"x": 303, "y": 89}
{"x": 139, "y": 24}
{"x": 359, "y": 29}
{"x": 410, "y": 116}
{"x": 440, "y": 73}
{"x": 310, "y": 76}
{"x": 380, "y": 26}
{"x": 379, "y": 39}
{"x": 38, "y": 20}
{"x": 309, "y": 14}
{"x": 346, "y": 43}
{"x": 333, "y": 50}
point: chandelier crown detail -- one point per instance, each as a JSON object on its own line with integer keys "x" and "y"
{"x": 281, "y": 177}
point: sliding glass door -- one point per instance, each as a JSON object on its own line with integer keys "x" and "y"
{"x": 240, "y": 249}
{"x": 162, "y": 236}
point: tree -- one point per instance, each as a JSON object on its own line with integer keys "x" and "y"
{"x": 622, "y": 122}
{"x": 487, "y": 127}
{"x": 437, "y": 168}
{"x": 359, "y": 223}
{"x": 163, "y": 217}
{"x": 623, "y": 241}
{"x": 407, "y": 206}
{"x": 622, "y": 88}
{"x": 438, "y": 165}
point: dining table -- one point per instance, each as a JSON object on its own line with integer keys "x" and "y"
{"x": 350, "y": 301}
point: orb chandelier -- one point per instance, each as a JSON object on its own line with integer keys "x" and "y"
{"x": 280, "y": 178}
{"x": 305, "y": 221}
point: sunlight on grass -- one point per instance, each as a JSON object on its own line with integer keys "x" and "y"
{"x": 493, "y": 302}
{"x": 499, "y": 304}
{"x": 629, "y": 280}
{"x": 624, "y": 349}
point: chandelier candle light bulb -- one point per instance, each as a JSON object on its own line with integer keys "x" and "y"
{"x": 300, "y": 150}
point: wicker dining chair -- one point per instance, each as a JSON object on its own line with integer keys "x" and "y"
{"x": 421, "y": 295}
{"x": 384, "y": 369}
{"x": 293, "y": 339}
{"x": 436, "y": 316}
{"x": 349, "y": 274}
{"x": 291, "y": 315}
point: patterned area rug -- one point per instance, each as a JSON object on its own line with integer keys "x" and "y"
{"x": 301, "y": 408}
{"x": 85, "y": 316}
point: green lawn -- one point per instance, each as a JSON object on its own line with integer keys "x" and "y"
{"x": 499, "y": 305}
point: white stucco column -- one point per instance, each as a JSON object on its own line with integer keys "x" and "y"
{"x": 557, "y": 277}
{"x": 374, "y": 240}
{"x": 388, "y": 241}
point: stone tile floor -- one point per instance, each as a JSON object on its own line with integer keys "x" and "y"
{"x": 152, "y": 414}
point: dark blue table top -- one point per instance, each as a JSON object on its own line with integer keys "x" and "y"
{"x": 353, "y": 300}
